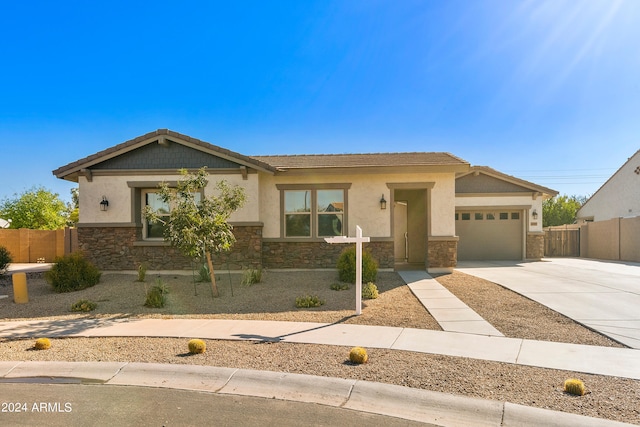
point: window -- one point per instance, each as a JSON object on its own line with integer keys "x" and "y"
{"x": 491, "y": 216}
{"x": 316, "y": 211}
{"x": 330, "y": 212}
{"x": 478, "y": 216}
{"x": 155, "y": 230}
{"x": 456, "y": 216}
{"x": 466, "y": 216}
{"x": 504, "y": 215}
{"x": 515, "y": 215}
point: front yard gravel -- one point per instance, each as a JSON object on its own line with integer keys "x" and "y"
{"x": 273, "y": 299}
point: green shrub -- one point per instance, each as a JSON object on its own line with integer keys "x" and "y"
{"x": 369, "y": 291}
{"x": 142, "y": 272}
{"x": 308, "y": 301}
{"x": 72, "y": 273}
{"x": 252, "y": 276}
{"x": 5, "y": 259}
{"x": 574, "y": 386}
{"x": 157, "y": 295}
{"x": 84, "y": 305}
{"x": 340, "y": 286}
{"x": 203, "y": 274}
{"x": 358, "y": 355}
{"x": 347, "y": 266}
{"x": 197, "y": 346}
{"x": 42, "y": 344}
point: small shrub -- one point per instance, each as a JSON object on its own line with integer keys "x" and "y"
{"x": 84, "y": 305}
{"x": 369, "y": 291}
{"x": 358, "y": 355}
{"x": 340, "y": 286}
{"x": 309, "y": 301}
{"x": 347, "y": 266}
{"x": 72, "y": 273}
{"x": 203, "y": 274}
{"x": 252, "y": 276}
{"x": 5, "y": 259}
{"x": 42, "y": 344}
{"x": 142, "y": 272}
{"x": 197, "y": 346}
{"x": 156, "y": 296}
{"x": 574, "y": 386}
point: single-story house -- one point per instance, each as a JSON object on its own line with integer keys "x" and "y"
{"x": 619, "y": 197}
{"x": 429, "y": 208}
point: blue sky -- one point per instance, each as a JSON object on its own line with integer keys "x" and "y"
{"x": 548, "y": 91}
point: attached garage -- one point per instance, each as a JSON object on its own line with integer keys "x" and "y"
{"x": 490, "y": 234}
{"x": 498, "y": 216}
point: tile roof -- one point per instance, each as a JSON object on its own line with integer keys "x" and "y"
{"x": 311, "y": 161}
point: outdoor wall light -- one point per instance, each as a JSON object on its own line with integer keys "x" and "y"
{"x": 383, "y": 203}
{"x": 104, "y": 204}
{"x": 534, "y": 214}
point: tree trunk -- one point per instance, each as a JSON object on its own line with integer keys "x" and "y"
{"x": 214, "y": 288}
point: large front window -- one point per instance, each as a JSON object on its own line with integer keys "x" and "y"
{"x": 155, "y": 230}
{"x": 314, "y": 212}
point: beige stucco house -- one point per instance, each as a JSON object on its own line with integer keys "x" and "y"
{"x": 619, "y": 197}
{"x": 425, "y": 209}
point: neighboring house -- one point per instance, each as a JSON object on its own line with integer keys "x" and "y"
{"x": 413, "y": 206}
{"x": 619, "y": 197}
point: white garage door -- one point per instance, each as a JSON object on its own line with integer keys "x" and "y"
{"x": 489, "y": 235}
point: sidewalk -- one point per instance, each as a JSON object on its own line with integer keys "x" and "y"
{"x": 620, "y": 362}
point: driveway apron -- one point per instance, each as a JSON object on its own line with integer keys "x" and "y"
{"x": 602, "y": 295}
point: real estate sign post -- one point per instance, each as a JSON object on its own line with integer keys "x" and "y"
{"x": 358, "y": 240}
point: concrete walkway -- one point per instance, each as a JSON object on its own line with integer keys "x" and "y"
{"x": 602, "y": 295}
{"x": 620, "y": 362}
{"x": 449, "y": 311}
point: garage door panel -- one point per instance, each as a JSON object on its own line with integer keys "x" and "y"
{"x": 486, "y": 239}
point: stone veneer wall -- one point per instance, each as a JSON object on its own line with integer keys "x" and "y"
{"x": 535, "y": 245}
{"x": 442, "y": 253}
{"x": 113, "y": 248}
{"x": 282, "y": 254}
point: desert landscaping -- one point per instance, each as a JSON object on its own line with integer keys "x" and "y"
{"x": 121, "y": 296}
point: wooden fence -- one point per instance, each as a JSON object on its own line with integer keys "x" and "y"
{"x": 28, "y": 246}
{"x": 562, "y": 241}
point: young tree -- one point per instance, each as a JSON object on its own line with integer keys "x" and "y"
{"x": 73, "y": 208}
{"x": 561, "y": 210}
{"x": 37, "y": 209}
{"x": 199, "y": 227}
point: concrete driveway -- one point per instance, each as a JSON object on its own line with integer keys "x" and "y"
{"x": 602, "y": 295}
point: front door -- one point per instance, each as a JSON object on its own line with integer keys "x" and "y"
{"x": 400, "y": 232}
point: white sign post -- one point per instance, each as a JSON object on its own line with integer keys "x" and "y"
{"x": 358, "y": 240}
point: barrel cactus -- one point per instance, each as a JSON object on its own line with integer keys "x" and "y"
{"x": 42, "y": 344}
{"x": 574, "y": 386}
{"x": 197, "y": 346}
{"x": 358, "y": 355}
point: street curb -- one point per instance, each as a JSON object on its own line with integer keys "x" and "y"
{"x": 384, "y": 399}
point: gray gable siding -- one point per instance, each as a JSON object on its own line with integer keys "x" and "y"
{"x": 173, "y": 156}
{"x": 486, "y": 184}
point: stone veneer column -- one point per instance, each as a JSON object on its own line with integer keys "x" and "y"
{"x": 442, "y": 254}
{"x": 535, "y": 245}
